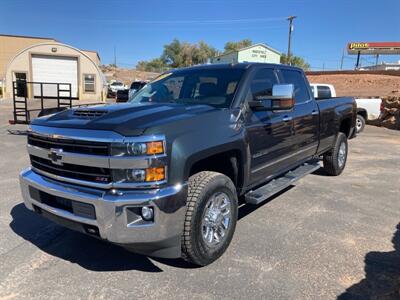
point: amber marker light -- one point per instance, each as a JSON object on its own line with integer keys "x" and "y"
{"x": 155, "y": 174}
{"x": 155, "y": 148}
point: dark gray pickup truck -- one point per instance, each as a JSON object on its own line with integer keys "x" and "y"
{"x": 162, "y": 174}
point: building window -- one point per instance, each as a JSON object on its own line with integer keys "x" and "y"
{"x": 89, "y": 83}
{"x": 20, "y": 76}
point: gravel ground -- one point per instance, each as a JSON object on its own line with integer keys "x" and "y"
{"x": 326, "y": 237}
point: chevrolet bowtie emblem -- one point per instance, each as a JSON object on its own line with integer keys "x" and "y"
{"x": 55, "y": 157}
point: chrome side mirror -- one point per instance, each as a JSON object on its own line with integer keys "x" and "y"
{"x": 282, "y": 99}
{"x": 283, "y": 96}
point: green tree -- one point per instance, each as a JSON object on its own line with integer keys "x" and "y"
{"x": 295, "y": 61}
{"x": 203, "y": 53}
{"x": 179, "y": 54}
{"x": 234, "y": 46}
{"x": 154, "y": 65}
{"x": 187, "y": 54}
{"x": 173, "y": 54}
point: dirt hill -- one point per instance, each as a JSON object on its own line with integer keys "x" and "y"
{"x": 126, "y": 75}
{"x": 360, "y": 85}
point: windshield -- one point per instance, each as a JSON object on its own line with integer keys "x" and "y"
{"x": 215, "y": 87}
{"x": 116, "y": 83}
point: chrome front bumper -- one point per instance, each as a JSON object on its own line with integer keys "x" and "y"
{"x": 159, "y": 238}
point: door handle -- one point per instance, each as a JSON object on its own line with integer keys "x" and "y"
{"x": 314, "y": 113}
{"x": 286, "y": 119}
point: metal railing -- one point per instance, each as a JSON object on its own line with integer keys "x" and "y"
{"x": 25, "y": 94}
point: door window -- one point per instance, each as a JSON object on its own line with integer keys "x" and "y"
{"x": 261, "y": 84}
{"x": 20, "y": 76}
{"x": 301, "y": 93}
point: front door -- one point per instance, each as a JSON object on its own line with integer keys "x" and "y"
{"x": 305, "y": 117}
{"x": 21, "y": 85}
{"x": 269, "y": 132}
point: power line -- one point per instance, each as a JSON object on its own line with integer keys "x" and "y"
{"x": 182, "y": 22}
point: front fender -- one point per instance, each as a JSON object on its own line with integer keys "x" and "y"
{"x": 192, "y": 147}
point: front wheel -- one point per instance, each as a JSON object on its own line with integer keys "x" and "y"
{"x": 335, "y": 160}
{"x": 210, "y": 221}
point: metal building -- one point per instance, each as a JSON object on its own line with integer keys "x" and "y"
{"x": 256, "y": 53}
{"x": 36, "y": 59}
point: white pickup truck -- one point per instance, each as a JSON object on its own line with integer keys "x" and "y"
{"x": 367, "y": 109}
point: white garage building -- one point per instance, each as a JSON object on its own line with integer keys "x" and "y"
{"x": 54, "y": 62}
{"x": 261, "y": 53}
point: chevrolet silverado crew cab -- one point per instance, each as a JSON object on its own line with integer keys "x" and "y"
{"x": 162, "y": 174}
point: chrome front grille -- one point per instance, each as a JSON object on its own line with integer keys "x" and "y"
{"x": 83, "y": 157}
{"x": 86, "y": 173}
{"x": 69, "y": 145}
{"x": 52, "y": 146}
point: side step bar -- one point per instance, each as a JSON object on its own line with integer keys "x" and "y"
{"x": 276, "y": 185}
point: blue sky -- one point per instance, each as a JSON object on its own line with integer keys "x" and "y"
{"x": 139, "y": 29}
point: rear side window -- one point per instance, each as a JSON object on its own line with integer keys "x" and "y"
{"x": 296, "y": 78}
{"x": 324, "y": 92}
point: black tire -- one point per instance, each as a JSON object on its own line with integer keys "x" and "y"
{"x": 332, "y": 164}
{"x": 360, "y": 124}
{"x": 202, "y": 186}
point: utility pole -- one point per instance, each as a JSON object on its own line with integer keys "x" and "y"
{"x": 358, "y": 60}
{"x": 342, "y": 60}
{"x": 290, "y": 19}
{"x": 115, "y": 56}
{"x": 377, "y": 59}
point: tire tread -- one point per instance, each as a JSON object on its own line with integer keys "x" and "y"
{"x": 197, "y": 184}
{"x": 330, "y": 158}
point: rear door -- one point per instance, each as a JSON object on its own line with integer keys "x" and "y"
{"x": 269, "y": 132}
{"x": 305, "y": 137}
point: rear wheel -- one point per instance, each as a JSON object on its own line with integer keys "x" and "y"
{"x": 211, "y": 215}
{"x": 360, "y": 123}
{"x": 335, "y": 160}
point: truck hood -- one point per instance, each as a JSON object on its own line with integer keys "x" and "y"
{"x": 126, "y": 119}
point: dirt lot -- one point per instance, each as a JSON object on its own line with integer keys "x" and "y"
{"x": 360, "y": 85}
{"x": 325, "y": 237}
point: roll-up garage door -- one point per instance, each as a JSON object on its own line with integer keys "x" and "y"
{"x": 55, "y": 69}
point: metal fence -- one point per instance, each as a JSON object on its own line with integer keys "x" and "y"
{"x": 32, "y": 99}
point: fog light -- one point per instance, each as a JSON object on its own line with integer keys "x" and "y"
{"x": 137, "y": 175}
{"x": 147, "y": 213}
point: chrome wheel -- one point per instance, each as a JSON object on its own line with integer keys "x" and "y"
{"x": 342, "y": 155}
{"x": 359, "y": 124}
{"x": 216, "y": 219}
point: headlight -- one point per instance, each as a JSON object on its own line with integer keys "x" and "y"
{"x": 138, "y": 175}
{"x": 137, "y": 148}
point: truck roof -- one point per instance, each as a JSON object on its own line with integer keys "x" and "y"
{"x": 244, "y": 65}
